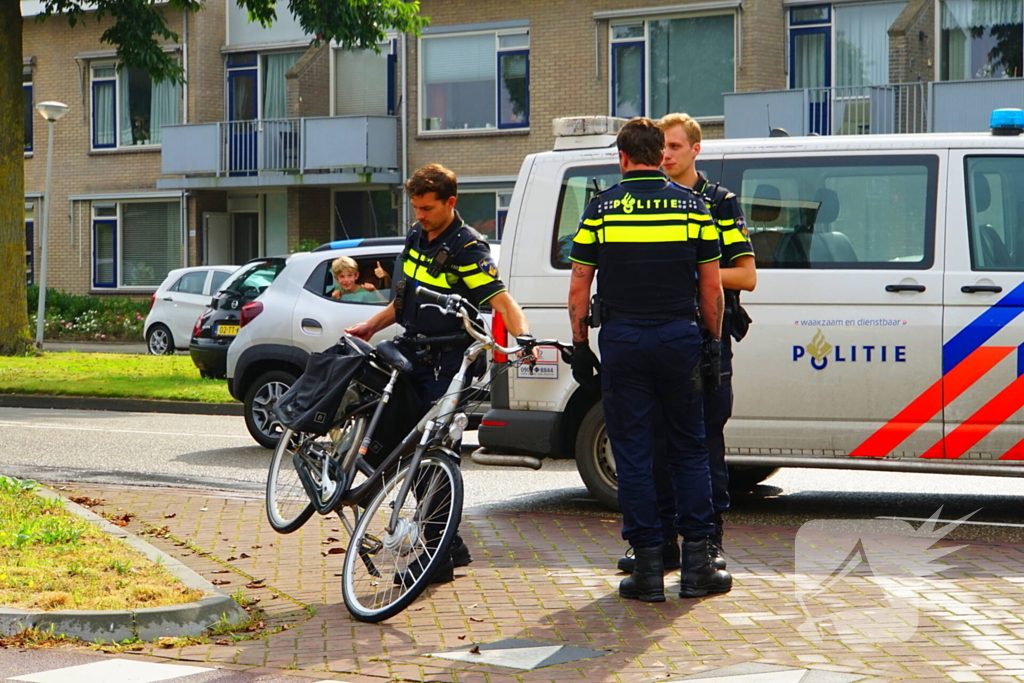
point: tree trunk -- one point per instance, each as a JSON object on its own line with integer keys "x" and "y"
{"x": 14, "y": 333}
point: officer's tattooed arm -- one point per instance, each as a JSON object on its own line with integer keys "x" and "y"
{"x": 712, "y": 300}
{"x": 579, "y": 300}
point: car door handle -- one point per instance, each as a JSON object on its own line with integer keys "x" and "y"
{"x": 311, "y": 326}
{"x": 974, "y": 289}
{"x": 167, "y": 298}
{"x": 904, "y": 288}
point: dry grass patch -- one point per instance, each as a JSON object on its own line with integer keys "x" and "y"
{"x": 51, "y": 559}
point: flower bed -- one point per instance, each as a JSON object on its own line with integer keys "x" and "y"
{"x": 88, "y": 318}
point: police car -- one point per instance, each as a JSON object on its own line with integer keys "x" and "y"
{"x": 886, "y": 332}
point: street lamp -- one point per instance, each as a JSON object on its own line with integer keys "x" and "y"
{"x": 51, "y": 111}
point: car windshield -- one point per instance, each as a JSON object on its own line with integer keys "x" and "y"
{"x": 255, "y": 277}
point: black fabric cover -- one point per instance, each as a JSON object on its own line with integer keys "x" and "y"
{"x": 312, "y": 402}
{"x": 400, "y": 415}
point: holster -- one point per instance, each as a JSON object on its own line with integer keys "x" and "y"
{"x": 739, "y": 320}
{"x": 597, "y": 312}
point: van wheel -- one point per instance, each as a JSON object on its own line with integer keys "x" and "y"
{"x": 743, "y": 478}
{"x": 259, "y": 406}
{"x": 594, "y": 458}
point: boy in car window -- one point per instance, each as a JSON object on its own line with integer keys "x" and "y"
{"x": 346, "y": 272}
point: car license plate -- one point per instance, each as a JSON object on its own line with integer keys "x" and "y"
{"x": 227, "y": 330}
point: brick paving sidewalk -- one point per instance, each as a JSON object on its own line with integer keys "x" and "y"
{"x": 551, "y": 578}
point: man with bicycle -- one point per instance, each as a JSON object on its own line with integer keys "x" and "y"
{"x": 654, "y": 250}
{"x": 445, "y": 255}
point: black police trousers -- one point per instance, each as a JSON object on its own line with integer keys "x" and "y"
{"x": 646, "y": 374}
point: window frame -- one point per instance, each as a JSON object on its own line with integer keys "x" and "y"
{"x": 117, "y": 221}
{"x": 593, "y": 169}
{"x": 30, "y": 251}
{"x": 732, "y": 177}
{"x": 502, "y": 202}
{"x": 321, "y": 270}
{"x": 613, "y": 42}
{"x": 27, "y": 87}
{"x": 116, "y": 80}
{"x": 390, "y": 48}
{"x": 498, "y": 51}
{"x": 970, "y": 215}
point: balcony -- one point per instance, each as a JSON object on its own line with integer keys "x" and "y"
{"x": 334, "y": 150}
{"x": 934, "y": 107}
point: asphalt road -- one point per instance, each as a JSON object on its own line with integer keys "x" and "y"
{"x": 217, "y": 452}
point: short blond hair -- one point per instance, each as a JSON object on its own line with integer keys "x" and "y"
{"x": 344, "y": 264}
{"x": 690, "y": 127}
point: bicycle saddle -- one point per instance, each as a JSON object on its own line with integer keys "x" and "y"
{"x": 390, "y": 354}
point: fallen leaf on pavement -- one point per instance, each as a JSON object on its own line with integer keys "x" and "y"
{"x": 479, "y": 621}
{"x": 231, "y": 559}
{"x": 335, "y": 551}
{"x": 461, "y": 637}
{"x": 258, "y": 583}
{"x": 221, "y": 571}
{"x": 86, "y": 501}
{"x": 167, "y": 642}
{"x": 475, "y": 650}
{"x": 256, "y": 547}
{"x": 220, "y": 582}
{"x": 329, "y": 540}
{"x": 171, "y": 516}
{"x": 243, "y": 556}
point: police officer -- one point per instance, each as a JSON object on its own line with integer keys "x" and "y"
{"x": 444, "y": 254}
{"x": 655, "y": 251}
{"x": 682, "y": 146}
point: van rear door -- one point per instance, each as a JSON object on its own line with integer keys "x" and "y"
{"x": 983, "y": 367}
{"x": 847, "y": 313}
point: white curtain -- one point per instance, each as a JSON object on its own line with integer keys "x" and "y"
{"x": 809, "y": 71}
{"x": 275, "y": 96}
{"x": 980, "y": 13}
{"x": 360, "y": 82}
{"x": 691, "y": 65}
{"x": 862, "y": 42}
{"x": 459, "y": 82}
{"x": 103, "y": 113}
{"x": 150, "y": 242}
{"x": 124, "y": 112}
{"x": 629, "y": 75}
{"x": 163, "y": 108}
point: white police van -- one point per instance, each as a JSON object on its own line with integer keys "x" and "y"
{"x": 885, "y": 334}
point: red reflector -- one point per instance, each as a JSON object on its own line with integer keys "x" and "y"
{"x": 152, "y": 300}
{"x": 249, "y": 312}
{"x": 500, "y": 338}
{"x": 493, "y": 423}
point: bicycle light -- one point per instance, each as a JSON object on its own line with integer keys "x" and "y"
{"x": 459, "y": 424}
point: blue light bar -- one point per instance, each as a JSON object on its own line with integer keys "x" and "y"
{"x": 1007, "y": 122}
{"x": 340, "y": 244}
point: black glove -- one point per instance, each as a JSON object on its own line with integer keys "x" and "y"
{"x": 584, "y": 362}
{"x": 711, "y": 363}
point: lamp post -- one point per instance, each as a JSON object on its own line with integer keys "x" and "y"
{"x": 51, "y": 111}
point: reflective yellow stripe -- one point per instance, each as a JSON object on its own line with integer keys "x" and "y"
{"x": 584, "y": 237}
{"x": 645, "y": 233}
{"x": 732, "y": 237}
{"x": 477, "y": 280}
{"x": 414, "y": 253}
{"x": 466, "y": 269}
{"x": 420, "y": 274}
{"x": 726, "y": 222}
{"x": 585, "y": 263}
{"x": 631, "y": 217}
{"x": 710, "y": 260}
{"x": 595, "y": 222}
{"x": 693, "y": 229}
{"x": 710, "y": 233}
{"x": 699, "y": 217}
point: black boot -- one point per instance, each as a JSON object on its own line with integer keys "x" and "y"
{"x": 715, "y": 548}
{"x": 445, "y": 573}
{"x": 647, "y": 582}
{"x": 669, "y": 558}
{"x": 698, "y": 577}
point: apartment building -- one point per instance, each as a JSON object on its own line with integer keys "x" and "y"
{"x": 272, "y": 141}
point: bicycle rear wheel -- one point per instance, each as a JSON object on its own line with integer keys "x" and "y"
{"x": 383, "y": 572}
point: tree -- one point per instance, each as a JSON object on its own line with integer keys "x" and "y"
{"x": 138, "y": 24}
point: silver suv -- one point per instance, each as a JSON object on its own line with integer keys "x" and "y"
{"x": 297, "y": 316}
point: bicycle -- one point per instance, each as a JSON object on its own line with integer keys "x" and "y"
{"x": 406, "y": 509}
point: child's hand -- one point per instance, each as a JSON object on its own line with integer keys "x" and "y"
{"x": 336, "y": 294}
{"x": 379, "y": 272}
{"x": 368, "y": 287}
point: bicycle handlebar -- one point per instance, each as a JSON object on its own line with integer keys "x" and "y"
{"x": 436, "y": 297}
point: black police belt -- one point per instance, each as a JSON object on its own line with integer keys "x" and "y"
{"x": 427, "y": 349}
{"x": 618, "y": 314}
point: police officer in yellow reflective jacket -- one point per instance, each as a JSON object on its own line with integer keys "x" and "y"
{"x": 444, "y": 254}
{"x": 654, "y": 250}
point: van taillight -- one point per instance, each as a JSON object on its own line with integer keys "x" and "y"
{"x": 249, "y": 313}
{"x": 152, "y": 300}
{"x": 500, "y": 337}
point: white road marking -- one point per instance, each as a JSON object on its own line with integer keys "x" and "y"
{"x": 120, "y": 670}
{"x": 953, "y": 521}
{"x": 45, "y": 425}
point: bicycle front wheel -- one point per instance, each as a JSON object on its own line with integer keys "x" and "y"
{"x": 288, "y": 505}
{"x": 384, "y": 572}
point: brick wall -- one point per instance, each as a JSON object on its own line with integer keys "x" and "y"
{"x": 308, "y": 83}
{"x": 309, "y": 214}
{"x": 77, "y": 170}
{"x": 912, "y": 43}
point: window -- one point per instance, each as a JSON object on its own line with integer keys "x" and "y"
{"x": 128, "y": 109}
{"x": 863, "y": 212}
{"x": 190, "y": 283}
{"x": 254, "y": 278}
{"x": 321, "y": 281}
{"x": 28, "y": 112}
{"x": 995, "y": 215}
{"x": 219, "y": 276}
{"x": 135, "y": 244}
{"x": 30, "y": 224}
{"x": 667, "y": 65}
{"x": 475, "y": 81}
{"x": 275, "y": 98}
{"x": 364, "y": 82}
{"x": 485, "y": 211}
{"x": 578, "y": 187}
{"x": 981, "y": 39}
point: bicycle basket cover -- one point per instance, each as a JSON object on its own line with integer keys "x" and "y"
{"x": 312, "y": 402}
{"x": 400, "y": 415}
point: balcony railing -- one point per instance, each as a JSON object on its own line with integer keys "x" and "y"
{"x": 281, "y": 146}
{"x": 935, "y": 107}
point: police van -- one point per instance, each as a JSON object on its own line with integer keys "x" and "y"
{"x": 885, "y": 329}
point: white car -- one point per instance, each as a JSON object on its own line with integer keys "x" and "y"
{"x": 177, "y": 303}
{"x": 297, "y": 316}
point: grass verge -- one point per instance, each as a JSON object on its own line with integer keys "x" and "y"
{"x": 51, "y": 559}
{"x": 169, "y": 378}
